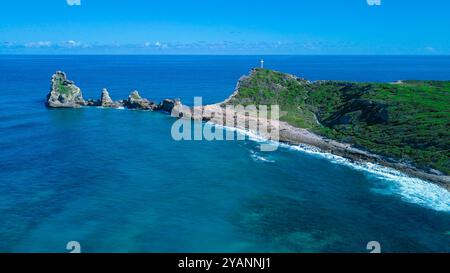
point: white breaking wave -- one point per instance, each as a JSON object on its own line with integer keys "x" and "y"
{"x": 117, "y": 108}
{"x": 250, "y": 135}
{"x": 409, "y": 189}
{"x": 260, "y": 158}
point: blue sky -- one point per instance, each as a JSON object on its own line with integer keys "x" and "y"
{"x": 225, "y": 27}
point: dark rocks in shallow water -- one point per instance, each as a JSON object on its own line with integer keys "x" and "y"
{"x": 135, "y": 101}
{"x": 64, "y": 93}
{"x": 167, "y": 105}
{"x": 91, "y": 102}
{"x": 171, "y": 106}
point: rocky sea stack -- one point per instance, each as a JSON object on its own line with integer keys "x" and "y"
{"x": 65, "y": 94}
{"x": 105, "y": 99}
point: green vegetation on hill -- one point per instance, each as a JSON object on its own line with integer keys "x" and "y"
{"x": 61, "y": 87}
{"x": 408, "y": 120}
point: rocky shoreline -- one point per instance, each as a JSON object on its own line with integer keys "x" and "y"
{"x": 65, "y": 94}
{"x": 297, "y": 136}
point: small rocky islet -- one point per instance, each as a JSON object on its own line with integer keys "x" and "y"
{"x": 65, "y": 94}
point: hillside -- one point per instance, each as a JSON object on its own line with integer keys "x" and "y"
{"x": 408, "y": 121}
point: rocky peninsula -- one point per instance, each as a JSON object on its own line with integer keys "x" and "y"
{"x": 358, "y": 121}
{"x": 401, "y": 125}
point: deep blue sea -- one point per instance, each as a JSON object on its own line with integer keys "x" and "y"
{"x": 116, "y": 181}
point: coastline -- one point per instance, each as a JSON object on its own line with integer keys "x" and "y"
{"x": 292, "y": 135}
{"x": 65, "y": 94}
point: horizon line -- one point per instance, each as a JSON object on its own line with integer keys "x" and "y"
{"x": 201, "y": 54}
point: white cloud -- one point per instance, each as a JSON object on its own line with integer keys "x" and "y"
{"x": 74, "y": 2}
{"x": 430, "y": 49}
{"x": 8, "y": 44}
{"x": 374, "y": 2}
{"x": 38, "y": 44}
{"x": 70, "y": 44}
{"x": 160, "y": 45}
{"x": 47, "y": 44}
{"x": 224, "y": 47}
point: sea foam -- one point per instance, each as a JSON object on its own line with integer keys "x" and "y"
{"x": 393, "y": 182}
{"x": 409, "y": 189}
{"x": 259, "y": 158}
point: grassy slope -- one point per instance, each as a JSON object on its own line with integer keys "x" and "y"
{"x": 408, "y": 121}
{"x": 63, "y": 89}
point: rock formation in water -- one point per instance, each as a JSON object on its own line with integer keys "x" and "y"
{"x": 64, "y": 93}
{"x": 105, "y": 99}
{"x": 173, "y": 107}
{"x": 92, "y": 102}
{"x": 135, "y": 101}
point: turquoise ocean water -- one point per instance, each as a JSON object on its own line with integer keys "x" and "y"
{"x": 116, "y": 181}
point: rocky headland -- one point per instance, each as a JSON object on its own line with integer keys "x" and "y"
{"x": 321, "y": 114}
{"x": 403, "y": 126}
